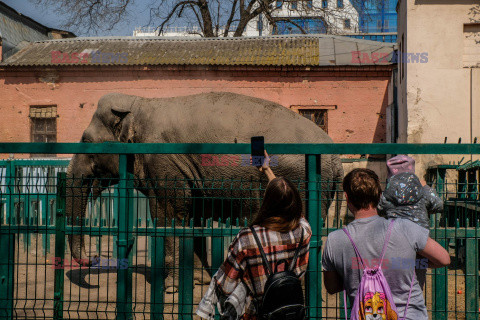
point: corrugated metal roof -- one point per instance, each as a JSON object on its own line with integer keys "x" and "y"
{"x": 16, "y": 29}
{"x": 304, "y": 50}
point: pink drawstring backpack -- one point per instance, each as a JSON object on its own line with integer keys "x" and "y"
{"x": 374, "y": 299}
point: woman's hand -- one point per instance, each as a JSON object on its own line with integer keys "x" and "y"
{"x": 265, "y": 167}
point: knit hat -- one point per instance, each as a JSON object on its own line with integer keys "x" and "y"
{"x": 399, "y": 164}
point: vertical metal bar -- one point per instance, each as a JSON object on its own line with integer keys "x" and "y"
{"x": 10, "y": 189}
{"x": 114, "y": 221}
{"x": 185, "y": 293}
{"x": 125, "y": 240}
{"x": 59, "y": 245}
{"x": 314, "y": 294}
{"x": 217, "y": 250}
{"x": 44, "y": 222}
{"x": 7, "y": 254}
{"x": 471, "y": 279}
{"x": 158, "y": 264}
{"x": 440, "y": 280}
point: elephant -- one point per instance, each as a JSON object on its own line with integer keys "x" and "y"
{"x": 216, "y": 117}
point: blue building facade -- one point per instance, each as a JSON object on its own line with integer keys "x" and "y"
{"x": 377, "y": 16}
{"x": 377, "y": 20}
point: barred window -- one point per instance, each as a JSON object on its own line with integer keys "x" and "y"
{"x": 43, "y": 125}
{"x": 318, "y": 114}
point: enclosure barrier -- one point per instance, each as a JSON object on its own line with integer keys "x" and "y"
{"x": 115, "y": 221}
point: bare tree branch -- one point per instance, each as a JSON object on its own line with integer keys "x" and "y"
{"x": 230, "y": 18}
{"x": 214, "y": 18}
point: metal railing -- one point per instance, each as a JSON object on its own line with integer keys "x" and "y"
{"x": 46, "y": 285}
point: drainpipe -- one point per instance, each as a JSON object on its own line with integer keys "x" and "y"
{"x": 471, "y": 109}
{"x": 471, "y": 105}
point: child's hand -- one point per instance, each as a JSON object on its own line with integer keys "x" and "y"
{"x": 423, "y": 182}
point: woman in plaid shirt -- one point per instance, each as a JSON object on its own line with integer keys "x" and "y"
{"x": 279, "y": 225}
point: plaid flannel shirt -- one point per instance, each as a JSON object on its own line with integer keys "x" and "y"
{"x": 244, "y": 253}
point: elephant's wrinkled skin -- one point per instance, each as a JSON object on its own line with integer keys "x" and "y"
{"x": 202, "y": 118}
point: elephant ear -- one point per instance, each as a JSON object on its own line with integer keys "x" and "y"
{"x": 123, "y": 126}
{"x": 120, "y": 112}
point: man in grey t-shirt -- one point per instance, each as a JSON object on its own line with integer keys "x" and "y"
{"x": 341, "y": 266}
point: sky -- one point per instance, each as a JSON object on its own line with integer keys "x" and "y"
{"x": 48, "y": 17}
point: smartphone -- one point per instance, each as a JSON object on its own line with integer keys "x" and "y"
{"x": 258, "y": 147}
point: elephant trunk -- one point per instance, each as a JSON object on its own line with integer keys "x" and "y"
{"x": 78, "y": 190}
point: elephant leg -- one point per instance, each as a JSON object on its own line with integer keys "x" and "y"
{"x": 162, "y": 210}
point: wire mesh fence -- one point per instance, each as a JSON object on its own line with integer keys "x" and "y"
{"x": 124, "y": 247}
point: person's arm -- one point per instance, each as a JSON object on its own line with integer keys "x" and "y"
{"x": 265, "y": 167}
{"x": 437, "y": 256}
{"x": 332, "y": 281}
{"x": 231, "y": 271}
{"x": 434, "y": 202}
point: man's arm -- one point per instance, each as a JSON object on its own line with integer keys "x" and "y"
{"x": 332, "y": 281}
{"x": 437, "y": 256}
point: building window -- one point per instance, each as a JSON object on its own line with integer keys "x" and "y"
{"x": 43, "y": 125}
{"x": 317, "y": 114}
{"x": 379, "y": 26}
{"x": 324, "y": 3}
{"x": 293, "y": 5}
{"x": 309, "y": 4}
{"x": 279, "y": 4}
{"x": 339, "y": 3}
{"x": 347, "y": 23}
{"x": 309, "y": 25}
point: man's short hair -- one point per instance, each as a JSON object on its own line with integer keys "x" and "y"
{"x": 362, "y": 187}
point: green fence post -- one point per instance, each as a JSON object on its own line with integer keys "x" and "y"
{"x": 217, "y": 249}
{"x": 114, "y": 221}
{"x": 7, "y": 253}
{"x": 125, "y": 239}
{"x": 314, "y": 293}
{"x": 185, "y": 274}
{"x": 471, "y": 279}
{"x": 157, "y": 287}
{"x": 10, "y": 190}
{"x": 59, "y": 246}
{"x": 439, "y": 283}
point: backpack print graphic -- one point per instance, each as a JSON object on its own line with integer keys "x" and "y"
{"x": 376, "y": 306}
{"x": 374, "y": 300}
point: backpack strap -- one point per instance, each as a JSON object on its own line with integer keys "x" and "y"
{"x": 387, "y": 239}
{"x": 297, "y": 252}
{"x": 268, "y": 268}
{"x": 253, "y": 291}
{"x": 409, "y": 295}
{"x": 354, "y": 247}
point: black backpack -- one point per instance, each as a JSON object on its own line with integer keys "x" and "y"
{"x": 283, "y": 293}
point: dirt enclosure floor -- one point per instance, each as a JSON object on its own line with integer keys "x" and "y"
{"x": 91, "y": 293}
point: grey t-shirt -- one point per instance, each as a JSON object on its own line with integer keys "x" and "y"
{"x": 398, "y": 267}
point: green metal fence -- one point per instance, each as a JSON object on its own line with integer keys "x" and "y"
{"x": 129, "y": 282}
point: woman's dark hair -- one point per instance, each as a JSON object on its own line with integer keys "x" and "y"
{"x": 281, "y": 208}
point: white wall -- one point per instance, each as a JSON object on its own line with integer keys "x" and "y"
{"x": 439, "y": 98}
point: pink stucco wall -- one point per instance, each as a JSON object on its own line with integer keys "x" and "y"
{"x": 360, "y": 94}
